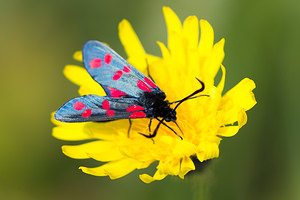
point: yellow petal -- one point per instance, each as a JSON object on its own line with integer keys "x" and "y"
{"x": 214, "y": 60}
{"x": 143, "y": 165}
{"x": 159, "y": 174}
{"x": 164, "y": 51}
{"x": 158, "y": 69}
{"x": 71, "y": 132}
{"x": 173, "y": 166}
{"x": 142, "y": 63}
{"x": 183, "y": 148}
{"x": 77, "y": 75}
{"x": 81, "y": 77}
{"x": 86, "y": 90}
{"x": 242, "y": 118}
{"x": 228, "y": 131}
{"x": 173, "y": 24}
{"x": 186, "y": 165}
{"x": 207, "y": 151}
{"x": 107, "y": 155}
{"x": 229, "y": 112}
{"x": 81, "y": 151}
{"x": 235, "y": 103}
{"x": 99, "y": 150}
{"x": 242, "y": 94}
{"x": 220, "y": 86}
{"x": 191, "y": 31}
{"x": 108, "y": 130}
{"x": 146, "y": 178}
{"x": 114, "y": 170}
{"x": 129, "y": 39}
{"x": 207, "y": 38}
{"x": 78, "y": 56}
{"x": 151, "y": 58}
{"x": 193, "y": 70}
{"x": 132, "y": 45}
{"x": 177, "y": 51}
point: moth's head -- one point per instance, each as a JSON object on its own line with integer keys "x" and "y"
{"x": 171, "y": 116}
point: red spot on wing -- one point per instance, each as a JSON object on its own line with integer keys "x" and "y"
{"x": 126, "y": 69}
{"x": 143, "y": 86}
{"x": 114, "y": 92}
{"x": 105, "y": 105}
{"x": 78, "y": 105}
{"x": 95, "y": 63}
{"x": 134, "y": 108}
{"x": 117, "y": 93}
{"x": 137, "y": 115}
{"x": 87, "y": 113}
{"x": 149, "y": 82}
{"x": 117, "y": 75}
{"x": 107, "y": 58}
{"x": 110, "y": 113}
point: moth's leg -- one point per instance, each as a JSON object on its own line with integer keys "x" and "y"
{"x": 178, "y": 127}
{"x": 149, "y": 125}
{"x": 129, "y": 128}
{"x": 155, "y": 130}
{"x": 162, "y": 122}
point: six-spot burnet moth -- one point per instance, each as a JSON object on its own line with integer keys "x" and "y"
{"x": 129, "y": 93}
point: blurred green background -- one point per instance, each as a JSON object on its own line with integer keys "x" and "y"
{"x": 37, "y": 38}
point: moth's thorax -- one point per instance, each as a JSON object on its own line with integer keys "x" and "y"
{"x": 157, "y": 105}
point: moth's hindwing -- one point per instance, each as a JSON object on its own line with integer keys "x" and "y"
{"x": 99, "y": 108}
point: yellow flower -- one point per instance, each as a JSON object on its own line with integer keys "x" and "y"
{"x": 204, "y": 120}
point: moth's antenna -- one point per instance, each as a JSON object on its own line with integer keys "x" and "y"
{"x": 189, "y": 96}
{"x": 203, "y": 95}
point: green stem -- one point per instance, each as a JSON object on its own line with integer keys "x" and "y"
{"x": 201, "y": 185}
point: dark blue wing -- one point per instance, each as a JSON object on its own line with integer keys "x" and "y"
{"x": 113, "y": 73}
{"x": 99, "y": 108}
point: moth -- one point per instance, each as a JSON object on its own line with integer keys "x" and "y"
{"x": 129, "y": 93}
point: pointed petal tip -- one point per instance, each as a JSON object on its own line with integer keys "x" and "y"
{"x": 88, "y": 171}
{"x": 164, "y": 51}
{"x": 130, "y": 41}
{"x": 204, "y": 22}
{"x": 220, "y": 44}
{"x": 123, "y": 23}
{"x": 77, "y": 56}
{"x": 242, "y": 94}
{"x": 251, "y": 83}
{"x": 74, "y": 152}
{"x": 166, "y": 8}
{"x": 191, "y": 18}
{"x": 222, "y": 41}
{"x": 146, "y": 178}
{"x": 172, "y": 20}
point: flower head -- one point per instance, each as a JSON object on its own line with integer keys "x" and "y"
{"x": 203, "y": 121}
